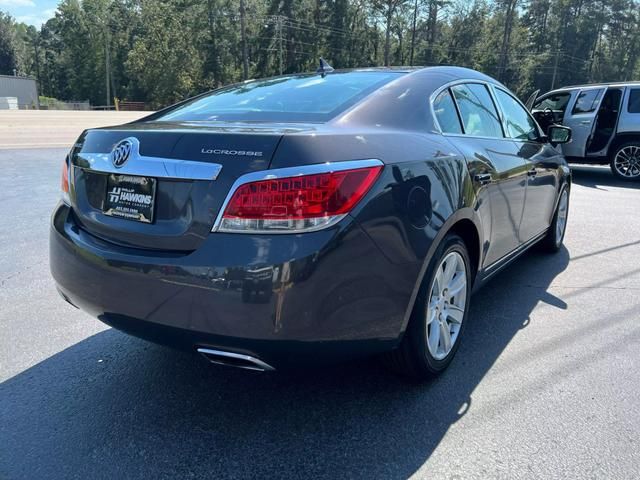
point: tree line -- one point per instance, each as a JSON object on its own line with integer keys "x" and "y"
{"x": 159, "y": 51}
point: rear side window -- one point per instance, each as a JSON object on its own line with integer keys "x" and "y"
{"x": 479, "y": 116}
{"x": 587, "y": 101}
{"x": 556, "y": 102}
{"x": 291, "y": 98}
{"x": 634, "y": 101}
{"x": 519, "y": 123}
{"x": 446, "y": 114}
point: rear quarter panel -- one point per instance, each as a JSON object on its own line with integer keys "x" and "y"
{"x": 423, "y": 190}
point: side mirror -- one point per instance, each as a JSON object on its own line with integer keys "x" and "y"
{"x": 558, "y": 134}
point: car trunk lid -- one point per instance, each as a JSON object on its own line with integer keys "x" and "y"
{"x": 191, "y": 166}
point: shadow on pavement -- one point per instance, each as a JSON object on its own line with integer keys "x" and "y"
{"x": 113, "y": 406}
{"x": 599, "y": 177}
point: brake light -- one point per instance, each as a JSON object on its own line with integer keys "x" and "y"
{"x": 297, "y": 203}
{"x": 65, "y": 181}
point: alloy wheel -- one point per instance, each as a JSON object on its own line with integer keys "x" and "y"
{"x": 446, "y": 305}
{"x": 627, "y": 161}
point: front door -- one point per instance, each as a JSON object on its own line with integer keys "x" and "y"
{"x": 541, "y": 160}
{"x": 542, "y": 184}
{"x": 580, "y": 116}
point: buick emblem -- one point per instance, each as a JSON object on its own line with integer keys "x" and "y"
{"x": 121, "y": 152}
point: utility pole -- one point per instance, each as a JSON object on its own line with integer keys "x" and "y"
{"x": 279, "y": 21}
{"x": 37, "y": 58}
{"x": 107, "y": 67}
{"x": 555, "y": 69}
{"x": 413, "y": 31}
{"x": 509, "y": 13}
{"x": 243, "y": 35}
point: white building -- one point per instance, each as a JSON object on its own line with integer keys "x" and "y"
{"x": 24, "y": 89}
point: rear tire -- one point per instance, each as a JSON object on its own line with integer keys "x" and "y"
{"x": 625, "y": 161}
{"x": 438, "y": 319}
{"x": 552, "y": 241}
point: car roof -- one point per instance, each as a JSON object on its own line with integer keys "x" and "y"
{"x": 433, "y": 77}
{"x": 453, "y": 71}
{"x": 414, "y": 85}
{"x": 394, "y": 104}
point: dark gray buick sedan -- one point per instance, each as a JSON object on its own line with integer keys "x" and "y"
{"x": 309, "y": 218}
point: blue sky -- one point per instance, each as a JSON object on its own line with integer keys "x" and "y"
{"x": 32, "y": 12}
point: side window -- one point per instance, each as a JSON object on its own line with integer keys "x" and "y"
{"x": 446, "y": 114}
{"x": 634, "y": 101}
{"x": 587, "y": 101}
{"x": 556, "y": 102}
{"x": 479, "y": 116}
{"x": 519, "y": 123}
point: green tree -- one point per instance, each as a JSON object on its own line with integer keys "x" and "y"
{"x": 9, "y": 61}
{"x": 161, "y": 51}
{"x": 164, "y": 61}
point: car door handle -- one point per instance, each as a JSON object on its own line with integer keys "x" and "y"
{"x": 483, "y": 178}
{"x": 532, "y": 173}
{"x": 585, "y": 122}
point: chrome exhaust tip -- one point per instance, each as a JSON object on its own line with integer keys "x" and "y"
{"x": 237, "y": 360}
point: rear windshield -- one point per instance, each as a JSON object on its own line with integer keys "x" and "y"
{"x": 307, "y": 98}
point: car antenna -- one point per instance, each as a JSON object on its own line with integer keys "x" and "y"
{"x": 324, "y": 67}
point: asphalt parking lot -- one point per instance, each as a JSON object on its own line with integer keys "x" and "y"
{"x": 545, "y": 384}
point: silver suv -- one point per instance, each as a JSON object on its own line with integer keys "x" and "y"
{"x": 605, "y": 119}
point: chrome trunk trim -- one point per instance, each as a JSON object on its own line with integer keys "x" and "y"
{"x": 140, "y": 165}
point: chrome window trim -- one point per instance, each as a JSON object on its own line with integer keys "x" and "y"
{"x": 490, "y": 86}
{"x": 328, "y": 167}
{"x": 453, "y": 83}
{"x": 143, "y": 166}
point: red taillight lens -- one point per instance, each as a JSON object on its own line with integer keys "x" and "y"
{"x": 65, "y": 177}
{"x": 297, "y": 203}
{"x": 65, "y": 181}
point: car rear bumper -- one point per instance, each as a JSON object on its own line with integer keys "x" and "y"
{"x": 284, "y": 299}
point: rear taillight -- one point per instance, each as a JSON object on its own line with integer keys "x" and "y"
{"x": 297, "y": 203}
{"x": 65, "y": 181}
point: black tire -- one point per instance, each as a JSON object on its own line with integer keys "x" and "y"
{"x": 412, "y": 358}
{"x": 551, "y": 242}
{"x": 634, "y": 175}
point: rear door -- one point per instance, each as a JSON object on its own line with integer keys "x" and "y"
{"x": 580, "y": 116}
{"x": 498, "y": 173}
{"x": 629, "y": 120}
